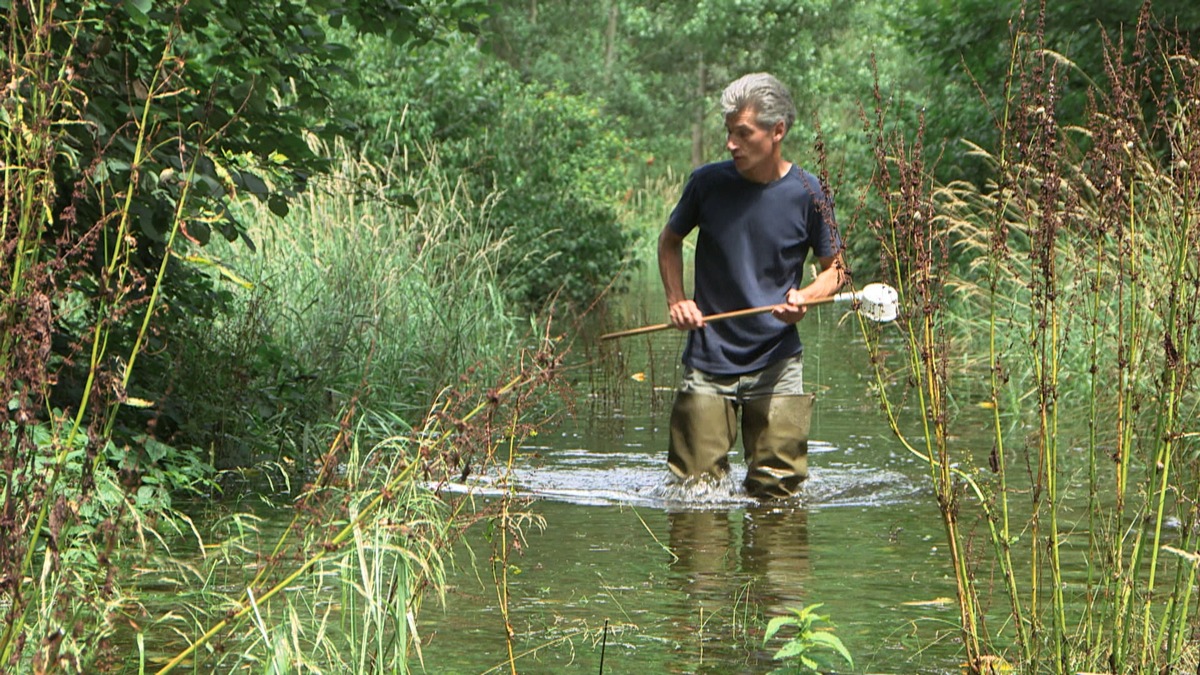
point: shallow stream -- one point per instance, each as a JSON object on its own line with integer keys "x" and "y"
{"x": 687, "y": 582}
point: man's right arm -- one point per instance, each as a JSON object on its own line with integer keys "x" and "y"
{"x": 685, "y": 315}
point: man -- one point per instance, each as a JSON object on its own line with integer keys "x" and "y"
{"x": 758, "y": 217}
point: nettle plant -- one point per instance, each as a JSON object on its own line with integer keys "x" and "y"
{"x": 810, "y": 648}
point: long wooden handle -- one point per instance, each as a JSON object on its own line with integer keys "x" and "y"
{"x": 714, "y": 317}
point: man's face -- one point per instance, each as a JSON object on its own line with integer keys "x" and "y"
{"x": 751, "y": 146}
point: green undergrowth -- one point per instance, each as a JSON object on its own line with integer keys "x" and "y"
{"x": 1057, "y": 304}
{"x": 376, "y": 289}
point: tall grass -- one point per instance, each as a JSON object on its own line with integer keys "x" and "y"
{"x": 352, "y": 267}
{"x": 1069, "y": 288}
{"x": 381, "y": 284}
{"x": 340, "y": 586}
{"x": 70, "y": 262}
{"x": 359, "y": 313}
{"x": 383, "y": 303}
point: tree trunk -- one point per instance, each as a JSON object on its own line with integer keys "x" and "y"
{"x": 610, "y": 40}
{"x": 701, "y": 108}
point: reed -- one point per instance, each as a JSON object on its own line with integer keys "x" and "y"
{"x": 382, "y": 292}
{"x": 382, "y": 280}
{"x": 373, "y": 529}
{"x": 61, "y": 466}
{"x": 385, "y": 301}
{"x": 1068, "y": 285}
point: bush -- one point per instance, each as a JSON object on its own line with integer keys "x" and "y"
{"x": 559, "y": 166}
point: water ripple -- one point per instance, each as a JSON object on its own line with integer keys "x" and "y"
{"x": 639, "y": 479}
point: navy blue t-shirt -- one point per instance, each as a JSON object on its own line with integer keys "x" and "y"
{"x": 751, "y": 249}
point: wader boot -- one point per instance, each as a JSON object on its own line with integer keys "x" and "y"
{"x": 775, "y": 435}
{"x": 703, "y": 429}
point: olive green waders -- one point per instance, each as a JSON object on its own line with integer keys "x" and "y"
{"x": 774, "y": 434}
{"x": 703, "y": 429}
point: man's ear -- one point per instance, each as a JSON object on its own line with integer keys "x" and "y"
{"x": 779, "y": 131}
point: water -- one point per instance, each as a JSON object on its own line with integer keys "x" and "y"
{"x": 619, "y": 572}
{"x": 687, "y": 582}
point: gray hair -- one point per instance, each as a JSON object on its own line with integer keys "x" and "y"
{"x": 763, "y": 93}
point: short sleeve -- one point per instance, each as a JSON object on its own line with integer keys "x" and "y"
{"x": 686, "y": 214}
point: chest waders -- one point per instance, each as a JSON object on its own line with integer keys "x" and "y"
{"x": 774, "y": 435}
{"x": 703, "y": 429}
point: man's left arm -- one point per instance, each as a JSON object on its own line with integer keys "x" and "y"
{"x": 829, "y": 280}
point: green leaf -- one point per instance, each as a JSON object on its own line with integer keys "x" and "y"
{"x": 140, "y": 7}
{"x": 100, "y": 175}
{"x": 793, "y": 648}
{"x": 338, "y": 51}
{"x": 200, "y": 231}
{"x": 253, "y": 183}
{"x": 156, "y": 450}
{"x": 248, "y": 241}
{"x": 145, "y": 495}
{"x": 775, "y": 624}
{"x": 224, "y": 271}
{"x": 207, "y": 185}
{"x": 833, "y": 642}
{"x": 146, "y": 222}
{"x": 278, "y": 205}
{"x": 229, "y": 275}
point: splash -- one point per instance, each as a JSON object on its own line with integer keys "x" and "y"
{"x": 639, "y": 479}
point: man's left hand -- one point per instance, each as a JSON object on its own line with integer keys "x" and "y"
{"x": 793, "y": 308}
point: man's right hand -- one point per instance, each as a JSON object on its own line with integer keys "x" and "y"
{"x": 685, "y": 315}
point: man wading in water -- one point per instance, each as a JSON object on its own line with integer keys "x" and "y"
{"x": 758, "y": 216}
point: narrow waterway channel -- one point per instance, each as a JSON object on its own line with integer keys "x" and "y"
{"x": 615, "y": 572}
{"x": 687, "y": 585}
{"x": 618, "y": 573}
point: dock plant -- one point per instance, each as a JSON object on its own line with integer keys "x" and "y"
{"x": 132, "y": 136}
{"x": 1058, "y": 304}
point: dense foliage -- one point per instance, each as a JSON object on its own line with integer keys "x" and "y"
{"x": 966, "y": 46}
{"x": 228, "y": 225}
{"x": 555, "y": 163}
{"x": 149, "y": 120}
{"x": 659, "y": 64}
{"x": 129, "y": 132}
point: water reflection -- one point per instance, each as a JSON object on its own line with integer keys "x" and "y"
{"x": 734, "y": 570}
{"x": 775, "y": 550}
{"x": 702, "y": 542}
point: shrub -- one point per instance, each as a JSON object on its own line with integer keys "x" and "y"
{"x": 559, "y": 166}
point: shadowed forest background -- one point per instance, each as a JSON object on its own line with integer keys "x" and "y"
{"x": 339, "y": 252}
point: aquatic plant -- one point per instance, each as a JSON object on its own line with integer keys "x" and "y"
{"x": 374, "y": 528}
{"x": 806, "y": 648}
{"x": 354, "y": 290}
{"x": 80, "y": 290}
{"x": 1072, "y": 274}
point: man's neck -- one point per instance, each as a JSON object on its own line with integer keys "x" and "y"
{"x": 771, "y": 171}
